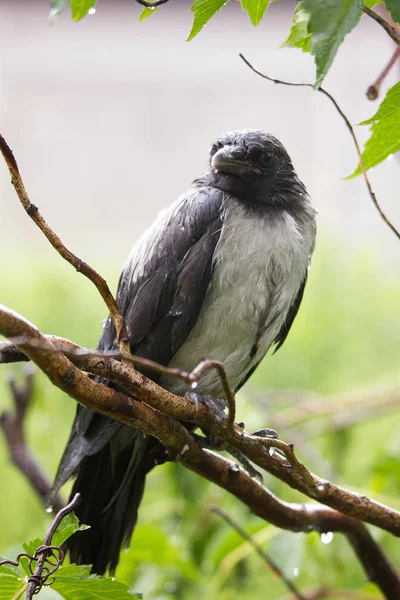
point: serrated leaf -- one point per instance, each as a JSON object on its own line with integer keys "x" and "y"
{"x": 203, "y": 11}
{"x": 299, "y": 36}
{"x": 146, "y": 12}
{"x": 10, "y": 585}
{"x": 80, "y": 8}
{"x": 74, "y": 571}
{"x": 93, "y": 587}
{"x": 255, "y": 9}
{"x": 329, "y": 22}
{"x": 393, "y": 7}
{"x": 385, "y": 127}
{"x": 68, "y": 526}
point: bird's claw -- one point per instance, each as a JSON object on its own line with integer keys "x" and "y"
{"x": 266, "y": 433}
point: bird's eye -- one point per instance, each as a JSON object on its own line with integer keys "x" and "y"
{"x": 265, "y": 158}
{"x": 215, "y": 147}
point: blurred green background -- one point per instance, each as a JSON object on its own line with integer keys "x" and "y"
{"x": 343, "y": 351}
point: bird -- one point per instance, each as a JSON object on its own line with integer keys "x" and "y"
{"x": 219, "y": 275}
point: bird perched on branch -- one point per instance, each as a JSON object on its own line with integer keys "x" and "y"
{"x": 219, "y": 275}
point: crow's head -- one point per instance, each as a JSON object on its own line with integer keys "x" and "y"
{"x": 253, "y": 166}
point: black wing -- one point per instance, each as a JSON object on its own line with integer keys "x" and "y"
{"x": 291, "y": 315}
{"x": 162, "y": 288}
{"x": 284, "y": 330}
{"x": 160, "y": 294}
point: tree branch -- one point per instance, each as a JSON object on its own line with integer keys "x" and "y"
{"x": 257, "y": 449}
{"x": 183, "y": 447}
{"x": 66, "y": 254}
{"x": 349, "y": 127}
{"x": 12, "y": 425}
{"x": 383, "y": 23}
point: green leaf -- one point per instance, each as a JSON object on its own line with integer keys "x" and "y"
{"x": 299, "y": 36}
{"x": 203, "y": 10}
{"x": 56, "y": 8}
{"x": 152, "y": 545}
{"x": 329, "y": 22}
{"x": 68, "y": 526}
{"x": 385, "y": 127}
{"x": 93, "y": 587}
{"x": 74, "y": 571}
{"x": 10, "y": 585}
{"x": 146, "y": 12}
{"x": 255, "y": 9}
{"x": 372, "y": 3}
{"x": 393, "y": 7}
{"x": 80, "y": 8}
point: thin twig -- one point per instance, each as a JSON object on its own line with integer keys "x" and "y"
{"x": 349, "y": 127}
{"x": 267, "y": 559}
{"x": 374, "y": 89}
{"x": 383, "y": 23}
{"x": 55, "y": 241}
{"x": 12, "y": 425}
{"x": 36, "y": 577}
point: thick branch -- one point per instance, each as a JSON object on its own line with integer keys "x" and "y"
{"x": 259, "y": 450}
{"x": 66, "y": 254}
{"x": 181, "y": 446}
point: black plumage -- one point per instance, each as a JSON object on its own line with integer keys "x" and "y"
{"x": 197, "y": 283}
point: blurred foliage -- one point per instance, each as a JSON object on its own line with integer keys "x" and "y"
{"x": 344, "y": 341}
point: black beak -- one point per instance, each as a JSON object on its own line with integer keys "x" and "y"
{"x": 234, "y": 161}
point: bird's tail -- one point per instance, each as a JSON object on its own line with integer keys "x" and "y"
{"x": 111, "y": 483}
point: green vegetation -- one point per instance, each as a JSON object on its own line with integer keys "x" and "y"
{"x": 345, "y": 340}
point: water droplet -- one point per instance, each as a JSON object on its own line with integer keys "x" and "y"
{"x": 49, "y": 509}
{"x": 91, "y": 11}
{"x": 296, "y": 572}
{"x": 327, "y": 537}
{"x": 194, "y": 385}
{"x": 321, "y": 487}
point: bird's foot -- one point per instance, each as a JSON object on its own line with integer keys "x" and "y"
{"x": 212, "y": 442}
{"x": 266, "y": 433}
{"x": 216, "y": 405}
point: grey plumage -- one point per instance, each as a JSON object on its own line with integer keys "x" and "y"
{"x": 220, "y": 274}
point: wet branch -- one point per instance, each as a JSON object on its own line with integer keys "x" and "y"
{"x": 275, "y": 456}
{"x": 183, "y": 447}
